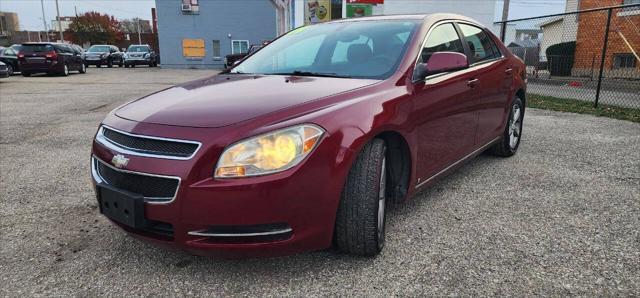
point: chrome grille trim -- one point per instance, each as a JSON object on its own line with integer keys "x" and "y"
{"x": 102, "y": 139}
{"x": 204, "y": 233}
{"x": 150, "y": 200}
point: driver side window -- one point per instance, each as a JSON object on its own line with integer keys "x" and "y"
{"x": 443, "y": 38}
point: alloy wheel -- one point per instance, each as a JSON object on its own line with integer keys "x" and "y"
{"x": 66, "y": 70}
{"x": 9, "y": 69}
{"x": 382, "y": 203}
{"x": 515, "y": 126}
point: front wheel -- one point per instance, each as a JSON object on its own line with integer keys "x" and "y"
{"x": 9, "y": 70}
{"x": 83, "y": 68}
{"x": 361, "y": 217}
{"x": 510, "y": 142}
{"x": 110, "y": 63}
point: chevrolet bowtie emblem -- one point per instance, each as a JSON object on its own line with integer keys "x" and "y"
{"x": 119, "y": 161}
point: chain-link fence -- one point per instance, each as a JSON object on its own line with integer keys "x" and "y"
{"x": 591, "y": 55}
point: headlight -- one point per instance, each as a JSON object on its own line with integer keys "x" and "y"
{"x": 269, "y": 153}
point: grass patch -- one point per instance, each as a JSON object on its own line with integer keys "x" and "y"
{"x": 581, "y": 107}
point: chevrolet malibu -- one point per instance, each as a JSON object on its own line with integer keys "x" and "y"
{"x": 303, "y": 144}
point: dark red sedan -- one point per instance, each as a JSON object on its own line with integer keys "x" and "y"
{"x": 304, "y": 143}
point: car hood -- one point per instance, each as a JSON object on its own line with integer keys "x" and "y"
{"x": 228, "y": 99}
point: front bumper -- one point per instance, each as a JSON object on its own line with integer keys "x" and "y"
{"x": 279, "y": 214}
{"x": 137, "y": 61}
{"x": 93, "y": 61}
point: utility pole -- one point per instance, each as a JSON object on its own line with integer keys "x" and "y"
{"x": 505, "y": 10}
{"x": 59, "y": 22}
{"x": 76, "y": 8}
{"x": 139, "y": 38}
{"x": 44, "y": 20}
{"x": 505, "y": 16}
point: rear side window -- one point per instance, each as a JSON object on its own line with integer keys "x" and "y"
{"x": 480, "y": 44}
{"x": 36, "y": 48}
{"x": 442, "y": 38}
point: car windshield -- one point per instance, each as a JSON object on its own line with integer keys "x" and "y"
{"x": 359, "y": 49}
{"x": 138, "y": 49}
{"x": 36, "y": 48}
{"x": 99, "y": 49}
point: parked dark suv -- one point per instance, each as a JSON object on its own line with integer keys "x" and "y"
{"x": 140, "y": 55}
{"x": 50, "y": 58}
{"x": 108, "y": 55}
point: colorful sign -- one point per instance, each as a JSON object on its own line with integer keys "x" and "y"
{"x": 365, "y": 1}
{"x": 317, "y": 11}
{"x": 359, "y": 10}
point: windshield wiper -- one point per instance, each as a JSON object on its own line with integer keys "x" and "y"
{"x": 312, "y": 74}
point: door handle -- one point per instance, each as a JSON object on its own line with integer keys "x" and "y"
{"x": 472, "y": 83}
{"x": 508, "y": 71}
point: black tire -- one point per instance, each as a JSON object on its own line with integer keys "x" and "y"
{"x": 126, "y": 66}
{"x": 359, "y": 229}
{"x": 98, "y": 65}
{"x": 9, "y": 70}
{"x": 133, "y": 65}
{"x": 506, "y": 147}
{"x": 110, "y": 63}
{"x": 83, "y": 69}
{"x": 65, "y": 71}
{"x": 26, "y": 74}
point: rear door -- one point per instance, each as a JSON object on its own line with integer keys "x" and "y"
{"x": 34, "y": 56}
{"x": 66, "y": 56}
{"x": 445, "y": 109}
{"x": 493, "y": 72}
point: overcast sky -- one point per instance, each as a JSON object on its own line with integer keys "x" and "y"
{"x": 30, "y": 11}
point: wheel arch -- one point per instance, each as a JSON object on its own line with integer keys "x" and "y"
{"x": 399, "y": 164}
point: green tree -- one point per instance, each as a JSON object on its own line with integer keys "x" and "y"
{"x": 95, "y": 28}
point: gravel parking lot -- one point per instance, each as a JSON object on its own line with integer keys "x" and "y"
{"x": 562, "y": 217}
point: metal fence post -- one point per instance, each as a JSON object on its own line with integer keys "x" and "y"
{"x": 603, "y": 58}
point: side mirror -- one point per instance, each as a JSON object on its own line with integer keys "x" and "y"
{"x": 440, "y": 62}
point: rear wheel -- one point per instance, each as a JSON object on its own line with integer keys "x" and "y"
{"x": 83, "y": 69}
{"x": 65, "y": 71}
{"x": 510, "y": 142}
{"x": 110, "y": 63}
{"x": 361, "y": 216}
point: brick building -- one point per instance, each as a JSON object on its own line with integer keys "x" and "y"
{"x": 621, "y": 60}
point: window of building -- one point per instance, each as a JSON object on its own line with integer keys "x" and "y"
{"x": 190, "y": 6}
{"x": 239, "y": 46}
{"x": 215, "y": 49}
{"x": 193, "y": 48}
{"x": 626, "y": 60}
{"x": 481, "y": 46}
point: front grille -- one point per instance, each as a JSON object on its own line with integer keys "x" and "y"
{"x": 150, "y": 146}
{"x": 153, "y": 188}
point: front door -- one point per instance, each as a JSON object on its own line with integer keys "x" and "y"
{"x": 444, "y": 108}
{"x": 494, "y": 82}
